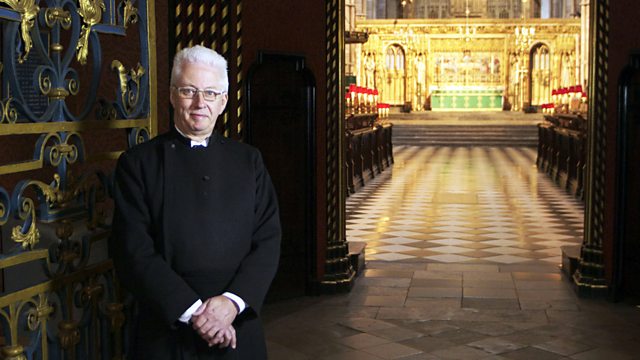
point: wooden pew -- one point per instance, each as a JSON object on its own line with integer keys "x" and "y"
{"x": 368, "y": 151}
{"x": 561, "y": 150}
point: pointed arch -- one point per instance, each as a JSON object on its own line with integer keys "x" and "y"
{"x": 540, "y": 74}
{"x": 394, "y": 78}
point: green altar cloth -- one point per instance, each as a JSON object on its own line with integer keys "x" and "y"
{"x": 462, "y": 99}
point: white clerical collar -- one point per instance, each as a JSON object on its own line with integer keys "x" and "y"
{"x": 194, "y": 143}
{"x": 204, "y": 143}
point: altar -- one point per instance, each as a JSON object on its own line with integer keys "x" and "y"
{"x": 467, "y": 64}
{"x": 466, "y": 99}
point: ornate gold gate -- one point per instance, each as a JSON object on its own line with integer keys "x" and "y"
{"x": 76, "y": 92}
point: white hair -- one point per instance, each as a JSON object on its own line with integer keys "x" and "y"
{"x": 200, "y": 55}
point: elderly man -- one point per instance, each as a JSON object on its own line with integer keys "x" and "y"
{"x": 196, "y": 231}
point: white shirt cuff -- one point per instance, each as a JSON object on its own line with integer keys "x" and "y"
{"x": 186, "y": 316}
{"x": 237, "y": 300}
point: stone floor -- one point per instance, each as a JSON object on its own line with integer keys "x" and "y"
{"x": 462, "y": 263}
{"x": 464, "y": 205}
{"x": 409, "y": 310}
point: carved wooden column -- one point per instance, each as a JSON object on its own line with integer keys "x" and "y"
{"x": 339, "y": 273}
{"x": 589, "y": 276}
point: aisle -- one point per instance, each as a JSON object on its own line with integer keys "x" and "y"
{"x": 462, "y": 263}
{"x": 464, "y": 205}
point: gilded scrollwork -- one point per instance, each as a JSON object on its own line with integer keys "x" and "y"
{"x": 28, "y": 12}
{"x": 55, "y": 220}
{"x": 34, "y": 307}
{"x": 57, "y": 15}
{"x": 38, "y": 313}
{"x": 53, "y": 149}
{"x": 129, "y": 84}
{"x": 138, "y": 136}
{"x": 67, "y": 151}
{"x": 27, "y": 234}
{"x": 53, "y": 194}
{"x": 45, "y": 84}
{"x": 91, "y": 12}
{"x": 73, "y": 86}
{"x": 9, "y": 113}
{"x": 129, "y": 13}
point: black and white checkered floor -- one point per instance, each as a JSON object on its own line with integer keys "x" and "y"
{"x": 464, "y": 205}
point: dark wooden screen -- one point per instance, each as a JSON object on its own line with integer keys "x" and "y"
{"x": 281, "y": 123}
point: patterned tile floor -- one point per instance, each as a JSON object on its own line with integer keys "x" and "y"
{"x": 464, "y": 205}
{"x": 462, "y": 263}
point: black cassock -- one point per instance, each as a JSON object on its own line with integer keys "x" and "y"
{"x": 192, "y": 223}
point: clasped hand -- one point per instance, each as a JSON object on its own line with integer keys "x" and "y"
{"x": 213, "y": 319}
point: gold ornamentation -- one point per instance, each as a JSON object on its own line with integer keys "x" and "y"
{"x": 44, "y": 82}
{"x": 91, "y": 293}
{"x": 490, "y": 47}
{"x": 61, "y": 198}
{"x": 129, "y": 98}
{"x": 64, "y": 230}
{"x": 58, "y": 94}
{"x": 68, "y": 151}
{"x": 28, "y": 11}
{"x": 73, "y": 87}
{"x": 116, "y": 314}
{"x": 68, "y": 333}
{"x": 9, "y": 113}
{"x": 13, "y": 352}
{"x": 91, "y": 12}
{"x": 53, "y": 15}
{"x": 38, "y": 313}
{"x": 30, "y": 238}
{"x": 106, "y": 111}
{"x": 130, "y": 14}
{"x": 142, "y": 135}
{"x": 53, "y": 195}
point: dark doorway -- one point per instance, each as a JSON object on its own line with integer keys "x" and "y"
{"x": 281, "y": 123}
{"x": 628, "y": 142}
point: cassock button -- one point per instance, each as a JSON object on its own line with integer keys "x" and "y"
{"x": 206, "y": 178}
{"x": 173, "y": 146}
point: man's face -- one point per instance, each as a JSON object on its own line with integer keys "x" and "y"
{"x": 196, "y": 116}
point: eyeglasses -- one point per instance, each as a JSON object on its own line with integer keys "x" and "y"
{"x": 189, "y": 92}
